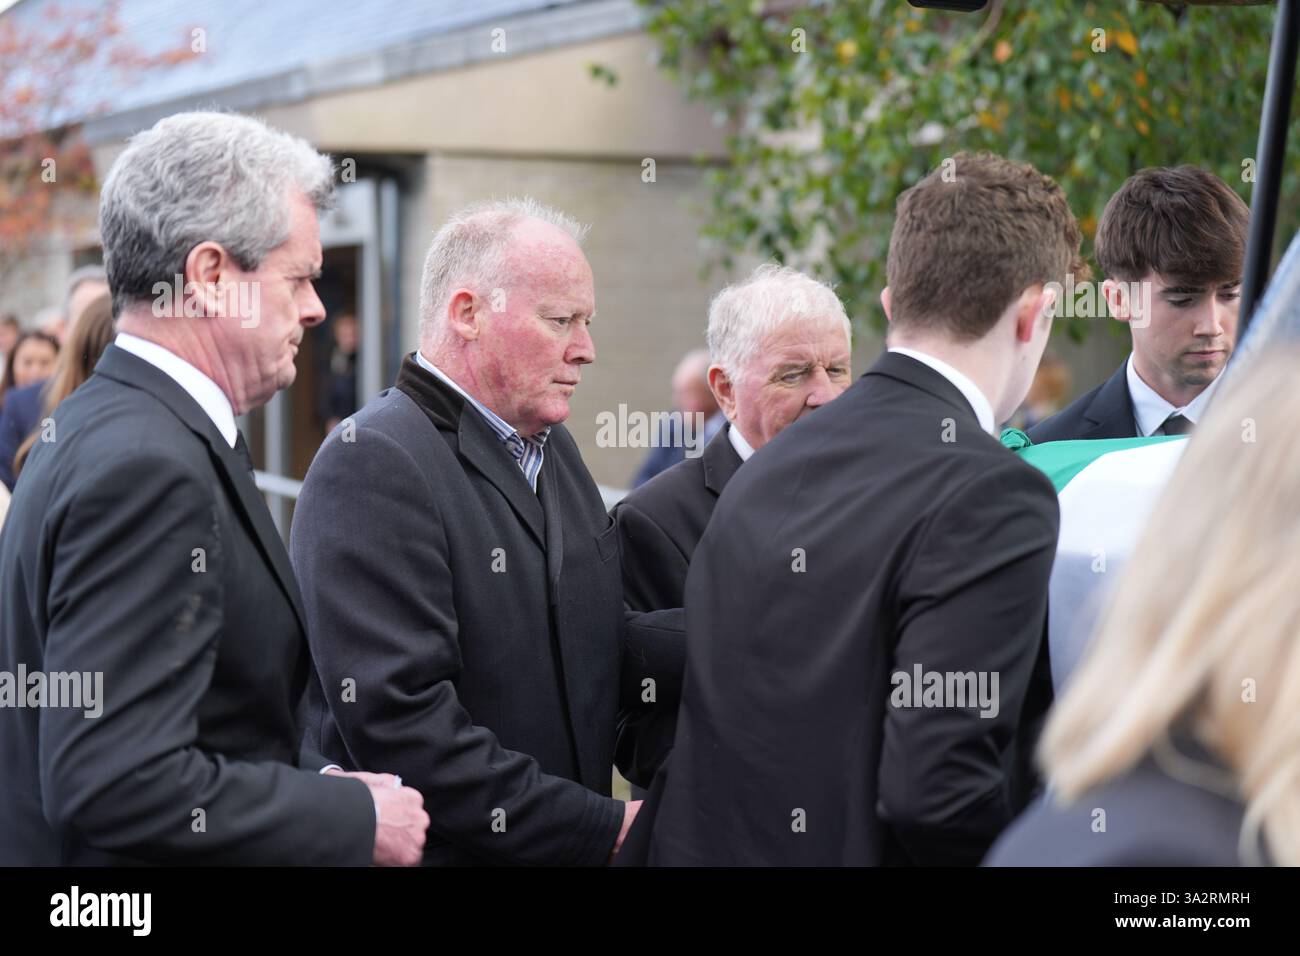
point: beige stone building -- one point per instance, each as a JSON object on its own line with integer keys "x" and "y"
{"x": 428, "y": 106}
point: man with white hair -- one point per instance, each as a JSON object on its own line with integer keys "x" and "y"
{"x": 780, "y": 348}
{"x": 460, "y": 572}
{"x": 143, "y": 578}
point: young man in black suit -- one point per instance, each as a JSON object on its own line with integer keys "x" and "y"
{"x": 140, "y": 559}
{"x": 781, "y": 348}
{"x": 1171, "y": 243}
{"x": 886, "y": 543}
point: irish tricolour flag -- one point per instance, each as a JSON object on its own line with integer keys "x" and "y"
{"x": 1106, "y": 490}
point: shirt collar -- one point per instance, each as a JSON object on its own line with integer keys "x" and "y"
{"x": 1150, "y": 409}
{"x": 503, "y": 429}
{"x": 743, "y": 448}
{"x": 198, "y": 386}
{"x": 978, "y": 400}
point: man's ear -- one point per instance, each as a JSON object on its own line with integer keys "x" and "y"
{"x": 462, "y": 315}
{"x": 724, "y": 391}
{"x": 885, "y": 303}
{"x": 206, "y": 268}
{"x": 1034, "y": 305}
{"x": 1117, "y": 303}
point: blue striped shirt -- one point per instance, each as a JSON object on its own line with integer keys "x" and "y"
{"x": 527, "y": 451}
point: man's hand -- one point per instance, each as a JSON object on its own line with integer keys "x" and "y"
{"x": 629, "y": 814}
{"x": 399, "y": 834}
{"x": 402, "y": 822}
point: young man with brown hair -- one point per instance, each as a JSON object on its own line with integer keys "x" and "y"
{"x": 865, "y": 609}
{"x": 1170, "y": 243}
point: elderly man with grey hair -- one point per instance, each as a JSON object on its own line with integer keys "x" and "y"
{"x": 144, "y": 584}
{"x": 780, "y": 347}
{"x": 461, "y": 575}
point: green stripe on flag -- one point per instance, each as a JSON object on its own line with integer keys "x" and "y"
{"x": 1062, "y": 460}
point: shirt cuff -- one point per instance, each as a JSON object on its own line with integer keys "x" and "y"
{"x": 334, "y": 766}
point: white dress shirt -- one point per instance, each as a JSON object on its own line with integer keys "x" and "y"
{"x": 978, "y": 400}
{"x": 1150, "y": 410}
{"x": 198, "y": 386}
{"x": 743, "y": 448}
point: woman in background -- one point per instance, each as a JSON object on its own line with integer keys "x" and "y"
{"x": 91, "y": 334}
{"x": 27, "y": 372}
{"x": 31, "y": 360}
{"x": 1178, "y": 741}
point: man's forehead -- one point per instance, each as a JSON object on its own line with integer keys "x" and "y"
{"x": 551, "y": 271}
{"x": 302, "y": 250}
{"x": 1188, "y": 285}
{"x": 557, "y": 305}
{"x": 304, "y": 223}
{"x": 806, "y": 337}
{"x": 296, "y": 263}
{"x": 568, "y": 287}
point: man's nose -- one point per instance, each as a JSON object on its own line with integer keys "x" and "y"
{"x": 311, "y": 311}
{"x": 1226, "y": 314}
{"x": 820, "y": 390}
{"x": 582, "y": 349}
{"x": 1210, "y": 319}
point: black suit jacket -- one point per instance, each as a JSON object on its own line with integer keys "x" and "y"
{"x": 1104, "y": 412}
{"x": 137, "y": 546}
{"x": 661, "y": 522}
{"x": 1152, "y": 818}
{"x": 659, "y": 525}
{"x": 859, "y": 543}
{"x": 466, "y": 630}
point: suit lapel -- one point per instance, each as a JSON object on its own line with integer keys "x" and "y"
{"x": 721, "y": 461}
{"x": 573, "y": 643}
{"x": 1104, "y": 411}
{"x": 131, "y": 370}
{"x": 1111, "y": 411}
{"x": 240, "y": 479}
{"x": 549, "y": 494}
{"x": 480, "y": 446}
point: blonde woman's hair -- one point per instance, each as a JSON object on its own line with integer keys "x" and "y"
{"x": 1203, "y": 632}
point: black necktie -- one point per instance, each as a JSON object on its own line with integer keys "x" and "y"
{"x": 1176, "y": 424}
{"x": 241, "y": 449}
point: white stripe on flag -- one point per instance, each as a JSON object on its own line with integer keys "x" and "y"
{"x": 1103, "y": 511}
